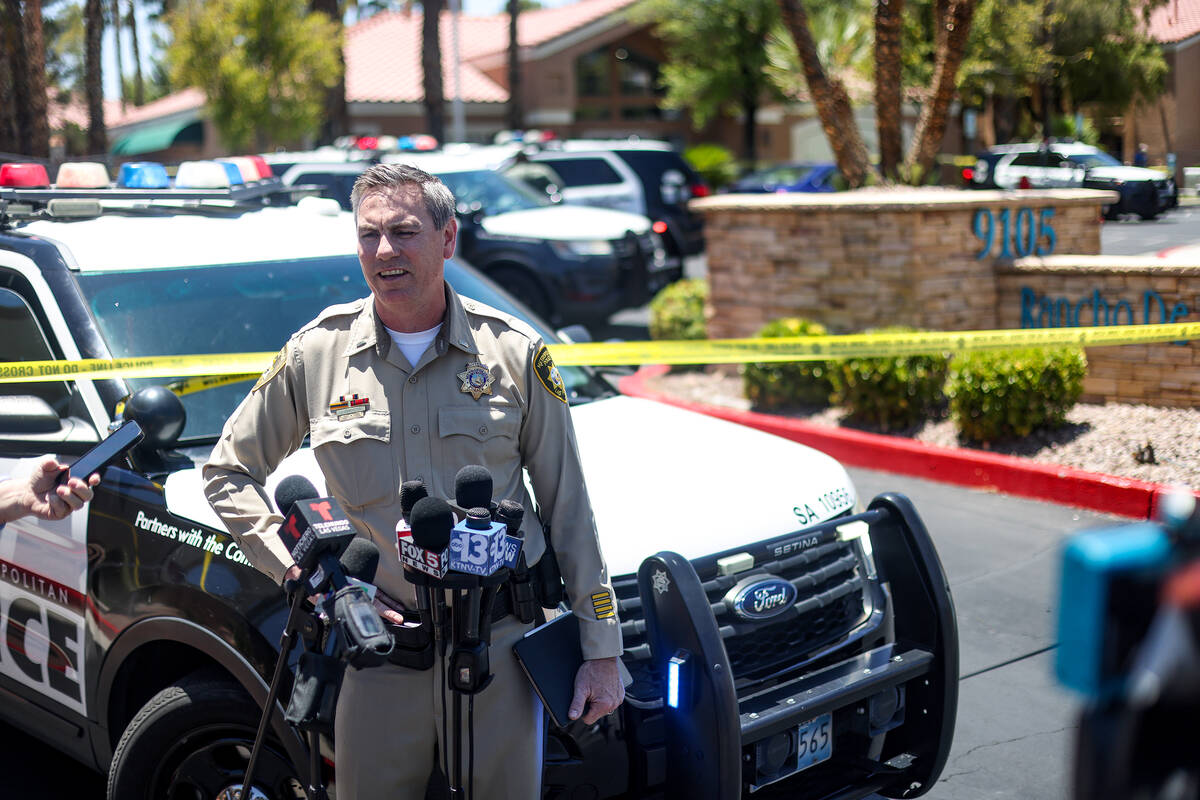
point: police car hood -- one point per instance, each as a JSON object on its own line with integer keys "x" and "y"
{"x": 566, "y": 223}
{"x": 659, "y": 478}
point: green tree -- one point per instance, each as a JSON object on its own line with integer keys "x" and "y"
{"x": 265, "y": 66}
{"x": 717, "y": 57}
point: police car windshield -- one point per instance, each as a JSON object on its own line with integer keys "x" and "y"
{"x": 253, "y": 307}
{"x": 1091, "y": 160}
{"x": 491, "y": 192}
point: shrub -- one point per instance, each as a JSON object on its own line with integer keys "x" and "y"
{"x": 776, "y": 384}
{"x": 1008, "y": 393}
{"x": 890, "y": 392}
{"x": 677, "y": 312}
{"x": 715, "y": 164}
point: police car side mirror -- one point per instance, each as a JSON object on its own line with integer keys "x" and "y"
{"x": 27, "y": 413}
{"x": 160, "y": 413}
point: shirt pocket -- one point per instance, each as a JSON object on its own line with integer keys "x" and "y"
{"x": 356, "y": 458}
{"x": 481, "y": 434}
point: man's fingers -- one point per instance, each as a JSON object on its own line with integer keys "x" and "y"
{"x": 578, "y": 701}
{"x": 391, "y": 616}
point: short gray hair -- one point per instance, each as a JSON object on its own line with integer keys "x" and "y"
{"x": 439, "y": 201}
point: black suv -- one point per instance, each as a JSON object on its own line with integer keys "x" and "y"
{"x": 140, "y": 641}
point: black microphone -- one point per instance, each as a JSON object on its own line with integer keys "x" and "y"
{"x": 425, "y": 559}
{"x": 315, "y": 530}
{"x": 410, "y": 493}
{"x": 361, "y": 560}
{"x": 473, "y": 487}
{"x": 366, "y": 642}
{"x": 520, "y": 588}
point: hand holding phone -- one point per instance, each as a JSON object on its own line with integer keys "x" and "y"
{"x": 109, "y": 450}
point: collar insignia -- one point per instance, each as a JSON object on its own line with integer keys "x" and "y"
{"x": 353, "y": 408}
{"x": 476, "y": 380}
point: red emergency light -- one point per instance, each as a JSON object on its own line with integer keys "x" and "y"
{"x": 24, "y": 176}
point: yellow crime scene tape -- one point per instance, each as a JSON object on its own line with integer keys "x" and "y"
{"x": 196, "y": 373}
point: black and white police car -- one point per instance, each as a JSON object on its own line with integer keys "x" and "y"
{"x": 138, "y": 639}
{"x": 1059, "y": 164}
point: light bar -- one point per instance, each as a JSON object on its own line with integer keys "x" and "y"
{"x": 24, "y": 176}
{"x": 232, "y": 173}
{"x": 246, "y": 167}
{"x": 424, "y": 142}
{"x": 143, "y": 175}
{"x": 82, "y": 175}
{"x": 202, "y": 175}
{"x": 264, "y": 169}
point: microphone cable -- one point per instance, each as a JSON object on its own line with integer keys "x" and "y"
{"x": 471, "y": 746}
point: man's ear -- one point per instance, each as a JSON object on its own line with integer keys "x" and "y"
{"x": 451, "y": 232}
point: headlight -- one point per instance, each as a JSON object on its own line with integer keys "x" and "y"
{"x": 582, "y": 248}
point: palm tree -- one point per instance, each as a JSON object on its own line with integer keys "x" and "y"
{"x": 431, "y": 66}
{"x": 9, "y": 141}
{"x": 951, "y": 44}
{"x": 93, "y": 15}
{"x": 516, "y": 116}
{"x": 889, "y": 21}
{"x": 139, "y": 86}
{"x": 116, "y": 24}
{"x": 337, "y": 121}
{"x": 829, "y": 96}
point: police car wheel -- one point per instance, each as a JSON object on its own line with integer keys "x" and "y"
{"x": 192, "y": 741}
{"x": 520, "y": 285}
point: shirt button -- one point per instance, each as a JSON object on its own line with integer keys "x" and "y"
{"x": 413, "y": 379}
{"x": 415, "y": 429}
{"x": 345, "y": 434}
{"x": 483, "y": 430}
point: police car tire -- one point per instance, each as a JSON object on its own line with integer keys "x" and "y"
{"x": 520, "y": 285}
{"x": 200, "y": 702}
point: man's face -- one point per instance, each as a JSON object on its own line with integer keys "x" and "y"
{"x": 402, "y": 256}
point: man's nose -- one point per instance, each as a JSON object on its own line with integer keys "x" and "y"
{"x": 386, "y": 248}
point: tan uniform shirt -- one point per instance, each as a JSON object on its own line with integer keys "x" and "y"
{"x": 376, "y": 421}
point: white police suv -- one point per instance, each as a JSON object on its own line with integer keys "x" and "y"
{"x": 138, "y": 639}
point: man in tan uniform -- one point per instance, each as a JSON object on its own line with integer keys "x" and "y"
{"x": 415, "y": 382}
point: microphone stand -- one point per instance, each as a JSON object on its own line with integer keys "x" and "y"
{"x": 469, "y": 669}
{"x": 299, "y": 623}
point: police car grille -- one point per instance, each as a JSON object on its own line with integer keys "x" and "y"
{"x": 829, "y": 604}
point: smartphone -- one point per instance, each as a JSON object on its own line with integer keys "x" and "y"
{"x": 109, "y": 450}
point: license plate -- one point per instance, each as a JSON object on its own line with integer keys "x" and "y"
{"x": 814, "y": 742}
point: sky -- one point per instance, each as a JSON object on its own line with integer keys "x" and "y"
{"x": 111, "y": 87}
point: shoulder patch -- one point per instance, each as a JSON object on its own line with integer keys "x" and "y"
{"x": 273, "y": 370}
{"x": 547, "y": 373}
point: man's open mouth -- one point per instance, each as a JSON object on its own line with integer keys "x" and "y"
{"x": 393, "y": 273}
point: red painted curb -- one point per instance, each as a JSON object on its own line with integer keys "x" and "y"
{"x": 1008, "y": 474}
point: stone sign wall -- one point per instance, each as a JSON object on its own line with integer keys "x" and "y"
{"x": 943, "y": 259}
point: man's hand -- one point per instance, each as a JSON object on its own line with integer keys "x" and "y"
{"x": 43, "y": 498}
{"x": 598, "y": 687}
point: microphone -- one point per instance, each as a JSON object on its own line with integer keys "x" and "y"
{"x": 473, "y": 487}
{"x": 520, "y": 587}
{"x": 410, "y": 493}
{"x": 315, "y": 530}
{"x": 367, "y": 642}
{"x": 425, "y": 559}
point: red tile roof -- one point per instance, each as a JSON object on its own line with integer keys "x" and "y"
{"x": 383, "y": 53}
{"x": 184, "y": 100}
{"x": 1175, "y": 21}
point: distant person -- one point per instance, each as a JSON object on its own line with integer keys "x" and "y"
{"x": 40, "y": 495}
{"x": 1140, "y": 157}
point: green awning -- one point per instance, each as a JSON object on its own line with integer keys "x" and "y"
{"x": 159, "y": 136}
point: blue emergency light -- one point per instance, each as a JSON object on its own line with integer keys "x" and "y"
{"x": 143, "y": 175}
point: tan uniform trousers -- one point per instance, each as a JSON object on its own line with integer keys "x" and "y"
{"x": 389, "y": 720}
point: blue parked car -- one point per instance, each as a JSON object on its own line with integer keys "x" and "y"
{"x": 798, "y": 177}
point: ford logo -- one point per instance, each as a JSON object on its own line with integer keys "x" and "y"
{"x": 760, "y": 598}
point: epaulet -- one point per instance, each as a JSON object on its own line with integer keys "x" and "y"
{"x": 351, "y": 309}
{"x": 475, "y": 308}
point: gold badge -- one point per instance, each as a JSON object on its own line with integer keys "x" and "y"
{"x": 273, "y": 370}
{"x": 476, "y": 380}
{"x": 602, "y": 604}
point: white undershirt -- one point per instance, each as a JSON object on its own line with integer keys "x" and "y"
{"x": 413, "y": 345}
